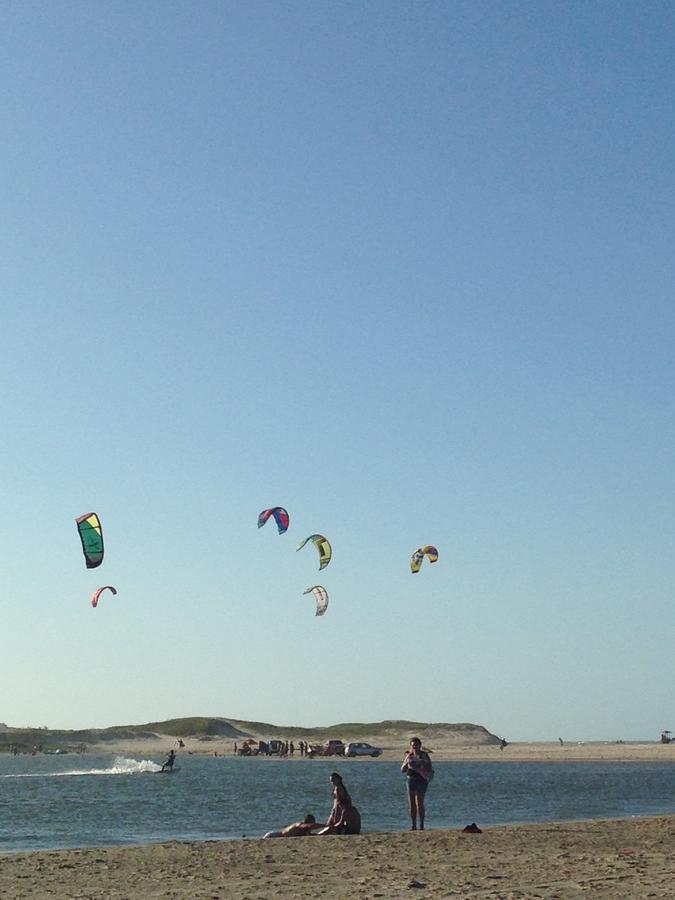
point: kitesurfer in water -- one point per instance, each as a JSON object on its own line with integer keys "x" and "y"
{"x": 167, "y": 765}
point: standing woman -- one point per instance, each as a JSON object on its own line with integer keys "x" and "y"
{"x": 419, "y": 772}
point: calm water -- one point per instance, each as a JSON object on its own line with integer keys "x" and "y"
{"x": 53, "y": 802}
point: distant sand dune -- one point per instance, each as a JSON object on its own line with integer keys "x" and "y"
{"x": 447, "y": 741}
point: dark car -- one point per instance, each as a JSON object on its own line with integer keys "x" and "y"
{"x": 333, "y": 748}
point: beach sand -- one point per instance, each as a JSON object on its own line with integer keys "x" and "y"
{"x": 442, "y": 749}
{"x": 628, "y": 858}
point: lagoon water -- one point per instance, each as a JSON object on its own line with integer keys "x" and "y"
{"x": 52, "y": 802}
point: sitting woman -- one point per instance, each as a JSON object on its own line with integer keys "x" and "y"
{"x": 344, "y": 817}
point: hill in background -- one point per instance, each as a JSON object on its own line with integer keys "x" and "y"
{"x": 205, "y": 728}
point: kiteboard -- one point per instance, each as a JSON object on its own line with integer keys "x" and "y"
{"x": 167, "y": 771}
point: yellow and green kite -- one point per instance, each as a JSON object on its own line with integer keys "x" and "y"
{"x": 91, "y": 535}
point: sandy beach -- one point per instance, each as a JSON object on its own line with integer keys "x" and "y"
{"x": 632, "y": 858}
{"x": 442, "y": 749}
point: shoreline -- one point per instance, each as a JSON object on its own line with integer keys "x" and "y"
{"x": 627, "y": 857}
{"x": 251, "y": 838}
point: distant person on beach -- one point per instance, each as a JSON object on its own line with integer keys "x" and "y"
{"x": 297, "y": 829}
{"x": 503, "y": 743}
{"x": 169, "y": 761}
{"x": 419, "y": 772}
{"x": 344, "y": 817}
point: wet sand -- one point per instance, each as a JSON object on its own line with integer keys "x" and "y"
{"x": 627, "y": 858}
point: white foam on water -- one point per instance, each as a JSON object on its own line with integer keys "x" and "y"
{"x": 121, "y": 766}
{"x": 124, "y": 766}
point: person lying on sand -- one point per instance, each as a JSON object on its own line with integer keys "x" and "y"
{"x": 297, "y": 829}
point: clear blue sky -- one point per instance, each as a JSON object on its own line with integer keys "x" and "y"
{"x": 405, "y": 269}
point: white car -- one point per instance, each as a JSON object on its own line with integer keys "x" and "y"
{"x": 359, "y": 748}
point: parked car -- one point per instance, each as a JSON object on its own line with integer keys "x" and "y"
{"x": 333, "y": 748}
{"x": 360, "y": 748}
{"x": 275, "y": 748}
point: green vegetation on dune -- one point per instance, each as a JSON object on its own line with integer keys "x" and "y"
{"x": 195, "y": 726}
{"x": 388, "y": 729}
{"x": 238, "y": 729}
{"x": 25, "y": 739}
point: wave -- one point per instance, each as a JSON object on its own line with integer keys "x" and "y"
{"x": 121, "y": 766}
